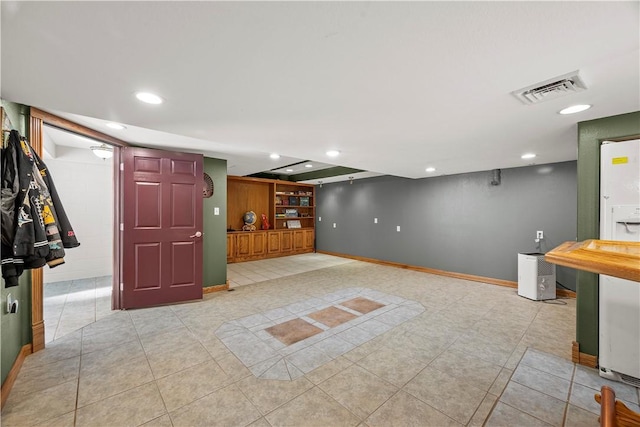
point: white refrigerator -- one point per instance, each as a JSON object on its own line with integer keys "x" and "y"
{"x": 619, "y": 304}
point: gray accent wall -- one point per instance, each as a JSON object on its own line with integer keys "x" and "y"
{"x": 458, "y": 223}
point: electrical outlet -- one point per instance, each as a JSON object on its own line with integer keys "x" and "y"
{"x": 375, "y": 220}
{"x": 319, "y": 219}
{"x": 334, "y": 225}
{"x": 398, "y": 228}
{"x": 539, "y": 234}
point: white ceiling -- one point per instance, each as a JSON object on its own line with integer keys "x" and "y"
{"x": 396, "y": 87}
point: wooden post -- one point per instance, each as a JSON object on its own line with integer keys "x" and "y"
{"x": 37, "y": 318}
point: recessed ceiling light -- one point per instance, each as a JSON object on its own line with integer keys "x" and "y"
{"x": 308, "y": 165}
{"x": 149, "y": 98}
{"x": 116, "y": 126}
{"x": 430, "y": 169}
{"x": 289, "y": 170}
{"x": 333, "y": 153}
{"x": 575, "y": 109}
{"x": 528, "y": 156}
{"x": 274, "y": 156}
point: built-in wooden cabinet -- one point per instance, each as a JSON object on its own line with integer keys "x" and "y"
{"x": 248, "y": 245}
{"x": 259, "y": 241}
{"x": 294, "y": 202}
{"x": 298, "y": 240}
{"x": 309, "y": 239}
{"x": 253, "y": 245}
{"x": 243, "y": 245}
{"x": 288, "y": 207}
{"x": 231, "y": 247}
{"x": 274, "y": 242}
{"x": 287, "y": 241}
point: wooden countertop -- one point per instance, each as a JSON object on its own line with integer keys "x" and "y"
{"x": 613, "y": 258}
{"x": 271, "y": 229}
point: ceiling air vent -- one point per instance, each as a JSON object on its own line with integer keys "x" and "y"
{"x": 551, "y": 89}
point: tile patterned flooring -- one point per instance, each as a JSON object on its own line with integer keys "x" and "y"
{"x": 287, "y": 342}
{"x": 246, "y": 273}
{"x": 73, "y": 304}
{"x": 546, "y": 390}
{"x": 469, "y": 351}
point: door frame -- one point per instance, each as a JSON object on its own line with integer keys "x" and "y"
{"x": 37, "y": 119}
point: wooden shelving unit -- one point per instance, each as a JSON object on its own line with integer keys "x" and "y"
{"x": 289, "y": 208}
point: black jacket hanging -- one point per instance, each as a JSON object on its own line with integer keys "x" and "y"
{"x": 37, "y": 227}
{"x": 67, "y": 234}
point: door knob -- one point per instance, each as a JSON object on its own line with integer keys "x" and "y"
{"x": 198, "y": 234}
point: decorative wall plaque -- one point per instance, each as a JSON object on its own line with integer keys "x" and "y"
{"x": 207, "y": 190}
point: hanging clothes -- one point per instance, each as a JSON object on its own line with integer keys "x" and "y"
{"x": 67, "y": 234}
{"x": 35, "y": 227}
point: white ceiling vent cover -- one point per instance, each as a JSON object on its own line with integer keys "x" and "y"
{"x": 551, "y": 89}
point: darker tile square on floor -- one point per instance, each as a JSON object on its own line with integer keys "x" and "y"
{"x": 293, "y": 331}
{"x": 332, "y": 316}
{"x": 362, "y": 305}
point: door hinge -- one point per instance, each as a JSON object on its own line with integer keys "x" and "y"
{"x": 121, "y": 166}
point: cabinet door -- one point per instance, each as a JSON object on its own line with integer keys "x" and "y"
{"x": 287, "y": 241}
{"x": 298, "y": 240}
{"x": 309, "y": 239}
{"x": 259, "y": 243}
{"x": 273, "y": 242}
{"x": 243, "y": 245}
{"x": 230, "y": 246}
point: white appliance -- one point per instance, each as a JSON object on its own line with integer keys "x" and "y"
{"x": 536, "y": 277}
{"x": 619, "y": 303}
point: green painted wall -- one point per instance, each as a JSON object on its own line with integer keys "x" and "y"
{"x": 15, "y": 329}
{"x": 215, "y": 226}
{"x": 590, "y": 136}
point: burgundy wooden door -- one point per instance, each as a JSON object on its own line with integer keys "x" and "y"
{"x": 162, "y": 227}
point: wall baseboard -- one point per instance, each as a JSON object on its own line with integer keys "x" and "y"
{"x": 7, "y": 385}
{"x": 582, "y": 358}
{"x": 215, "y": 288}
{"x": 566, "y": 293}
{"x": 470, "y": 277}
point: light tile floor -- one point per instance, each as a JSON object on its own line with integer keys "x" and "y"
{"x": 546, "y": 390}
{"x": 287, "y": 342}
{"x": 167, "y": 366}
{"x": 246, "y": 273}
{"x": 72, "y": 304}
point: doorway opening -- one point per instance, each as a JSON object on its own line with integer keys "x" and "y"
{"x": 79, "y": 292}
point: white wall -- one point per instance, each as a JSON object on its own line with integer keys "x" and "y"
{"x": 85, "y": 185}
